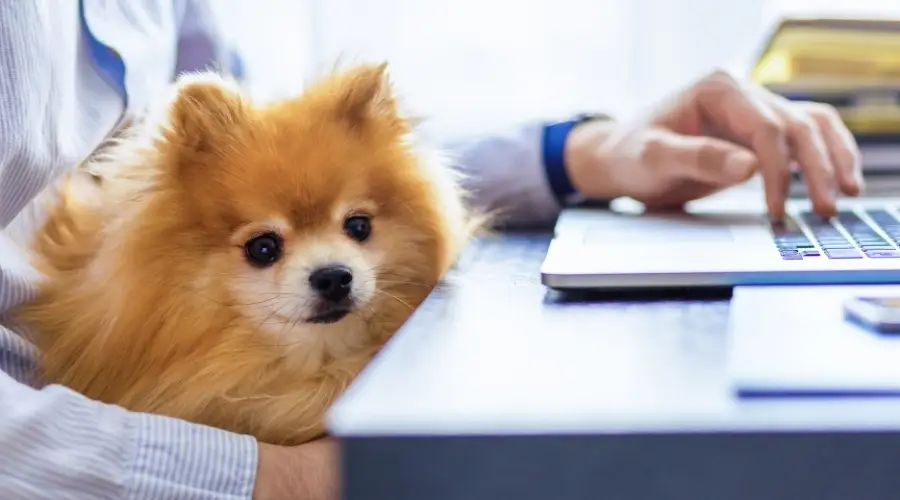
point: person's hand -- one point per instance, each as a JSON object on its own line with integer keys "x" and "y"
{"x": 308, "y": 472}
{"x": 713, "y": 135}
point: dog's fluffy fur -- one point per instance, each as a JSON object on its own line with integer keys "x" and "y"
{"x": 150, "y": 301}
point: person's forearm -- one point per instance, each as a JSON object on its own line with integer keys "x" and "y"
{"x": 523, "y": 176}
{"x": 58, "y": 444}
{"x": 505, "y": 175}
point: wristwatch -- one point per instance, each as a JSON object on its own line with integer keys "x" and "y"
{"x": 589, "y": 117}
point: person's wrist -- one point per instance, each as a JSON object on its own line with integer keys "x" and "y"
{"x": 554, "y": 148}
{"x": 587, "y": 159}
{"x": 306, "y": 471}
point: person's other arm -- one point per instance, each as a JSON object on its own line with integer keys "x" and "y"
{"x": 518, "y": 175}
{"x": 57, "y": 443}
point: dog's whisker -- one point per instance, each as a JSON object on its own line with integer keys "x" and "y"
{"x": 398, "y": 299}
{"x": 264, "y": 301}
{"x": 297, "y": 317}
{"x": 271, "y": 314}
{"x": 231, "y": 303}
{"x": 389, "y": 282}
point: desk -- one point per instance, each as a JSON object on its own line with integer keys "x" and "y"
{"x": 499, "y": 389}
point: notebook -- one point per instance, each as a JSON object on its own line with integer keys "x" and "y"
{"x": 794, "y": 341}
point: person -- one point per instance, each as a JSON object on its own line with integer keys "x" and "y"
{"x": 70, "y": 71}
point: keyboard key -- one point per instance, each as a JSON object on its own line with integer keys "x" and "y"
{"x": 843, "y": 254}
{"x": 789, "y": 239}
{"x": 830, "y": 239}
{"x": 795, "y": 248}
{"x": 861, "y": 232}
{"x": 810, "y": 253}
{"x": 793, "y": 241}
{"x": 887, "y": 222}
{"x": 880, "y": 214}
{"x": 883, "y": 254}
{"x": 825, "y": 231}
{"x": 847, "y": 216}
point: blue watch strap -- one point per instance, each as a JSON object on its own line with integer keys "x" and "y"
{"x": 554, "y": 147}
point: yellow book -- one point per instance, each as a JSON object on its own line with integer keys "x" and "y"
{"x": 853, "y": 64}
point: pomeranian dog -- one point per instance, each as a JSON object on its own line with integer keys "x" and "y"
{"x": 239, "y": 263}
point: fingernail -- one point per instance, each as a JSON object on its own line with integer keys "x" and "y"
{"x": 825, "y": 210}
{"x": 739, "y": 164}
{"x": 853, "y": 185}
{"x": 775, "y": 211}
{"x": 860, "y": 181}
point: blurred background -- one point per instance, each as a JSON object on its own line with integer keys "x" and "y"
{"x": 474, "y": 65}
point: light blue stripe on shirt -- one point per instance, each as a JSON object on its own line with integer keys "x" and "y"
{"x": 105, "y": 57}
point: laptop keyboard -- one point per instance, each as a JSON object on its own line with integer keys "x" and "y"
{"x": 846, "y": 236}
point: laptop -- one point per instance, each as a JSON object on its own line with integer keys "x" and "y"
{"x": 724, "y": 241}
{"x": 804, "y": 346}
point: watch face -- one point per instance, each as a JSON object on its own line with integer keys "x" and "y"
{"x": 586, "y": 117}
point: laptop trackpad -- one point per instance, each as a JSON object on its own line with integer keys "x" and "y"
{"x": 658, "y": 231}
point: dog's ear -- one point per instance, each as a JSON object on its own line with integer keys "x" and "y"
{"x": 204, "y": 111}
{"x": 364, "y": 95}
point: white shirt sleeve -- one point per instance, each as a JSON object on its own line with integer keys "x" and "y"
{"x": 54, "y": 443}
{"x": 58, "y": 444}
{"x": 505, "y": 174}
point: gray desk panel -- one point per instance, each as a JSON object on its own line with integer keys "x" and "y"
{"x": 626, "y": 467}
{"x": 497, "y": 386}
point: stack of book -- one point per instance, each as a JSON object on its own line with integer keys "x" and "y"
{"x": 852, "y": 64}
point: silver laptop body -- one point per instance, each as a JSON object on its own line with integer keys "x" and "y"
{"x": 725, "y": 240}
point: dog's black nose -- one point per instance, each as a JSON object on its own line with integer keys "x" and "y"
{"x": 332, "y": 283}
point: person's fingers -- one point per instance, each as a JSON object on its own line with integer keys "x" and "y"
{"x": 705, "y": 160}
{"x": 810, "y": 151}
{"x": 739, "y": 114}
{"x": 842, "y": 147}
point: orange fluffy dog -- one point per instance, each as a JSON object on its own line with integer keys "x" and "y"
{"x": 244, "y": 261}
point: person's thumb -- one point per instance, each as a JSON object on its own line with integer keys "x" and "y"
{"x": 708, "y": 160}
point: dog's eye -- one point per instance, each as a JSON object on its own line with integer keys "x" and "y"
{"x": 358, "y": 227}
{"x": 263, "y": 250}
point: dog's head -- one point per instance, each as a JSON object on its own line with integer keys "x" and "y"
{"x": 314, "y": 221}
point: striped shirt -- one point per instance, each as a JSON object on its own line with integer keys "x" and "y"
{"x": 68, "y": 71}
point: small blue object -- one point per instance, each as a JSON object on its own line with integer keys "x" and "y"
{"x": 107, "y": 59}
{"x": 554, "y": 144}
